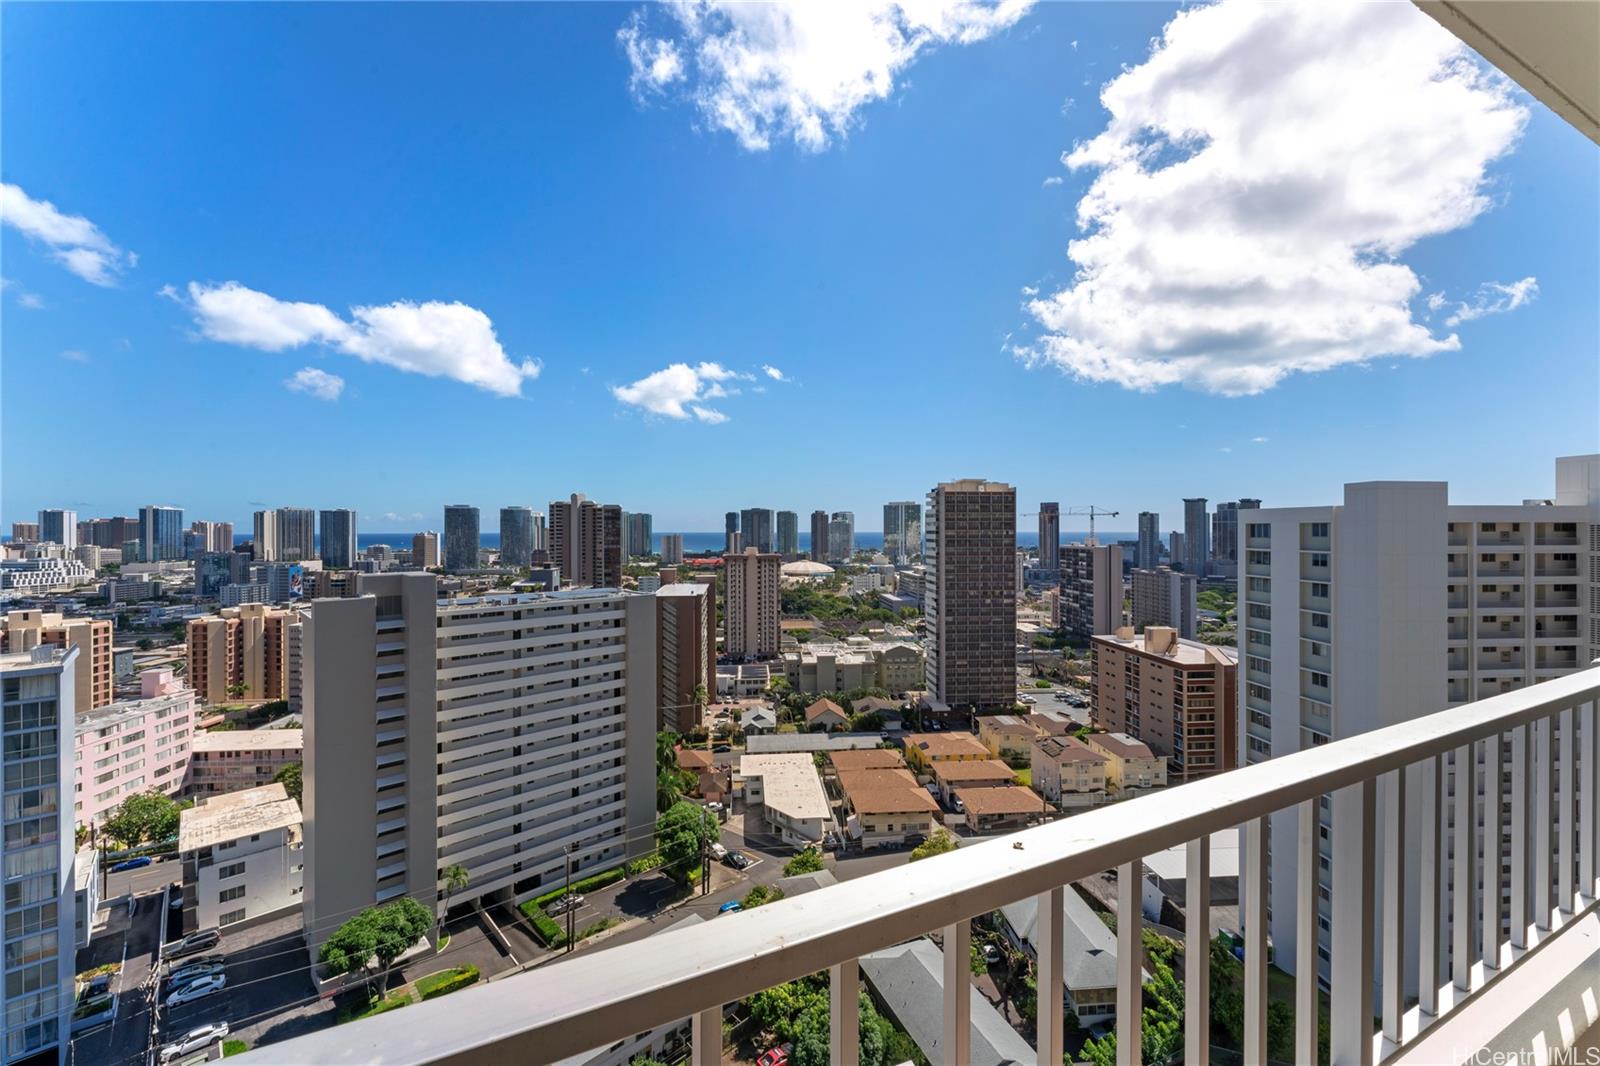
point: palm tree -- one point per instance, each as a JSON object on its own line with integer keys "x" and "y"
{"x": 455, "y": 879}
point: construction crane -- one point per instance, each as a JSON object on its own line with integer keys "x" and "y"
{"x": 1093, "y": 512}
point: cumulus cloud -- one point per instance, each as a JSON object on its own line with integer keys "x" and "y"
{"x": 794, "y": 69}
{"x": 1259, "y": 176}
{"x": 773, "y": 372}
{"x": 436, "y": 339}
{"x": 679, "y": 391}
{"x": 1054, "y": 179}
{"x": 318, "y": 383}
{"x": 1258, "y": 440}
{"x": 1494, "y": 298}
{"x": 74, "y": 241}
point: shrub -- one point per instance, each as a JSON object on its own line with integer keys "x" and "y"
{"x": 543, "y": 926}
{"x": 234, "y": 1047}
{"x": 808, "y": 861}
{"x": 649, "y": 862}
{"x": 588, "y": 884}
{"x": 446, "y": 981}
{"x": 356, "y": 1011}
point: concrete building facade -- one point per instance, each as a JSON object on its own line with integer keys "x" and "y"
{"x": 672, "y": 549}
{"x": 425, "y": 551}
{"x": 26, "y": 630}
{"x": 1166, "y": 597}
{"x": 970, "y": 595}
{"x": 1173, "y": 694}
{"x": 243, "y": 856}
{"x": 1091, "y": 590}
{"x": 751, "y": 613}
{"x": 586, "y": 542}
{"x": 132, "y": 746}
{"x": 228, "y": 760}
{"x": 687, "y": 653}
{"x": 241, "y": 653}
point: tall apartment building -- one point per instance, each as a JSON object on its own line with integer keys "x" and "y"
{"x": 288, "y": 535}
{"x": 841, "y": 535}
{"x": 25, "y": 532}
{"x": 132, "y": 746}
{"x": 730, "y": 529}
{"x": 1175, "y": 695}
{"x": 1091, "y": 590}
{"x": 500, "y": 733}
{"x": 160, "y": 534}
{"x": 819, "y": 536}
{"x": 970, "y": 594}
{"x": 1165, "y": 597}
{"x": 755, "y": 525}
{"x": 1196, "y": 538}
{"x": 516, "y": 536}
{"x": 59, "y": 527}
{"x": 109, "y": 532}
{"x": 902, "y": 530}
{"x": 37, "y": 718}
{"x": 425, "y": 551}
{"x": 751, "y": 613}
{"x": 686, "y": 624}
{"x": 461, "y": 537}
{"x": 787, "y": 541}
{"x": 338, "y": 544}
{"x": 586, "y": 542}
{"x": 672, "y": 549}
{"x": 641, "y": 534}
{"x": 1148, "y": 555}
{"x": 240, "y": 653}
{"x": 1396, "y": 604}
{"x": 1225, "y": 529}
{"x": 26, "y": 630}
{"x": 1050, "y": 536}
{"x": 218, "y": 535}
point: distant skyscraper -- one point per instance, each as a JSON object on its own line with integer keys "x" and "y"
{"x": 730, "y": 526}
{"x": 516, "y": 536}
{"x": 970, "y": 595}
{"x": 1196, "y": 537}
{"x": 841, "y": 535}
{"x": 160, "y": 533}
{"x": 788, "y": 538}
{"x": 1050, "y": 536}
{"x": 461, "y": 537}
{"x": 287, "y": 534}
{"x": 1164, "y": 597}
{"x": 1175, "y": 548}
{"x": 59, "y": 527}
{"x": 756, "y": 525}
{"x": 819, "y": 536}
{"x": 425, "y": 551}
{"x": 672, "y": 549}
{"x": 1091, "y": 590}
{"x": 902, "y": 530}
{"x": 338, "y": 539}
{"x": 641, "y": 534}
{"x": 1148, "y": 555}
{"x": 1225, "y": 529}
{"x": 751, "y": 613}
{"x": 586, "y": 541}
{"x": 25, "y": 532}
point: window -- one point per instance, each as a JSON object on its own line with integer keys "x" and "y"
{"x": 228, "y": 895}
{"x": 229, "y": 917}
{"x": 1319, "y": 621}
{"x": 233, "y": 869}
{"x": 1260, "y": 529}
{"x": 1319, "y": 589}
{"x": 1319, "y": 559}
{"x": 1319, "y": 679}
{"x": 1319, "y": 529}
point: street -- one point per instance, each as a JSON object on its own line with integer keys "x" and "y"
{"x": 130, "y": 937}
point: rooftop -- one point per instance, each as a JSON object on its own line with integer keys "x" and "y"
{"x": 909, "y": 978}
{"x": 236, "y": 814}
{"x": 1067, "y": 749}
{"x": 946, "y": 745}
{"x": 789, "y": 784}
{"x": 974, "y": 770}
{"x": 1005, "y": 799}
{"x": 1182, "y": 651}
{"x": 786, "y": 742}
{"x": 1121, "y": 745}
{"x": 250, "y": 740}
{"x": 868, "y": 759}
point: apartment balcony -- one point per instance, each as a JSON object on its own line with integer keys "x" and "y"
{"x": 1501, "y": 536}
{"x": 1556, "y": 568}
{"x": 1557, "y": 598}
{"x": 1564, "y": 626}
{"x": 1556, "y": 535}
{"x": 1514, "y": 664}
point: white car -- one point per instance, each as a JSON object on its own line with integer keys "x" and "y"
{"x": 194, "y": 1040}
{"x": 719, "y": 852}
{"x": 198, "y": 989}
{"x": 180, "y": 977}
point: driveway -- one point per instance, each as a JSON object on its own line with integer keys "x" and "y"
{"x": 128, "y": 936}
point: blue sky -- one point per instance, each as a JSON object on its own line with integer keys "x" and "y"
{"x": 891, "y": 243}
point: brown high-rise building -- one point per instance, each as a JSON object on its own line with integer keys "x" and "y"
{"x": 1175, "y": 695}
{"x": 26, "y": 630}
{"x": 819, "y": 536}
{"x": 686, "y": 627}
{"x": 586, "y": 541}
{"x": 425, "y": 551}
{"x": 751, "y": 613}
{"x": 970, "y": 597}
{"x": 240, "y": 654}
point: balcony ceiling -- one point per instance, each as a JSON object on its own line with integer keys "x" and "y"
{"x": 1549, "y": 47}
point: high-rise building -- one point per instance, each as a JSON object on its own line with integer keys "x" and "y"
{"x": 1148, "y": 555}
{"x": 788, "y": 537}
{"x": 461, "y": 537}
{"x": 586, "y": 542}
{"x": 516, "y": 536}
{"x": 338, "y": 539}
{"x": 970, "y": 594}
{"x": 59, "y": 527}
{"x": 1225, "y": 529}
{"x": 1196, "y": 538}
{"x": 730, "y": 526}
{"x": 1175, "y": 549}
{"x": 841, "y": 536}
{"x": 425, "y": 551}
{"x": 37, "y": 714}
{"x": 285, "y": 535}
{"x": 160, "y": 533}
{"x": 751, "y": 613}
{"x": 1050, "y": 536}
{"x": 755, "y": 524}
{"x": 241, "y": 653}
{"x": 1165, "y": 597}
{"x": 1395, "y": 604}
{"x": 26, "y": 630}
{"x": 115, "y": 533}
{"x": 686, "y": 614}
{"x": 1175, "y": 695}
{"x": 819, "y": 536}
{"x": 902, "y": 531}
{"x": 641, "y": 534}
{"x": 672, "y": 549}
{"x": 210, "y": 536}
{"x": 213, "y": 570}
{"x": 25, "y": 532}
{"x": 423, "y": 751}
{"x": 1091, "y": 590}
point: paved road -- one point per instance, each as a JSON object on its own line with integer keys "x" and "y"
{"x": 129, "y": 935}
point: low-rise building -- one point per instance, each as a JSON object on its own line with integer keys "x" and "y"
{"x": 132, "y": 746}
{"x": 242, "y": 856}
{"x": 883, "y": 803}
{"x": 923, "y": 750}
{"x": 896, "y": 666}
{"x": 999, "y": 809}
{"x": 1089, "y": 953}
{"x": 953, "y": 775}
{"x": 742, "y": 680}
{"x": 757, "y": 721}
{"x": 789, "y": 793}
{"x": 1130, "y": 764}
{"x": 236, "y": 759}
{"x": 1175, "y": 695}
{"x": 825, "y": 714}
{"x": 908, "y": 981}
{"x": 1008, "y": 736}
{"x": 1068, "y": 773}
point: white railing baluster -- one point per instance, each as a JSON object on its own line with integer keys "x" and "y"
{"x": 1589, "y": 803}
{"x": 1430, "y": 875}
{"x": 1394, "y": 902}
{"x": 1566, "y": 831}
{"x": 1306, "y": 1004}
{"x": 1463, "y": 867}
{"x": 1543, "y": 825}
{"x": 705, "y": 1035}
{"x": 1350, "y": 1012}
{"x": 1517, "y": 834}
{"x": 1489, "y": 891}
{"x": 957, "y": 1043}
{"x": 1049, "y": 999}
{"x": 1196, "y": 955}
{"x": 1130, "y": 965}
{"x": 1253, "y": 886}
{"x": 844, "y": 1010}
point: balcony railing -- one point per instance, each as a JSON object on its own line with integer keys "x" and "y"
{"x": 1384, "y": 909}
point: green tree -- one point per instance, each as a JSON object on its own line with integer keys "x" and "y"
{"x": 455, "y": 879}
{"x": 671, "y": 782}
{"x": 940, "y": 842}
{"x": 144, "y": 816}
{"x": 290, "y": 778}
{"x": 808, "y": 861}
{"x": 682, "y": 834}
{"x": 380, "y": 934}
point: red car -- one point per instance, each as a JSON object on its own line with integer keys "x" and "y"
{"x": 777, "y": 1056}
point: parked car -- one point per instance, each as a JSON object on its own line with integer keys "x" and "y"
{"x": 719, "y": 852}
{"x": 175, "y": 896}
{"x": 570, "y": 902}
{"x": 730, "y": 907}
{"x": 196, "y": 941}
{"x": 187, "y": 974}
{"x": 933, "y": 789}
{"x": 195, "y": 1039}
{"x": 199, "y": 988}
{"x": 198, "y": 960}
{"x": 957, "y": 805}
{"x": 776, "y": 1056}
{"x": 138, "y": 863}
{"x": 739, "y": 860}
{"x": 721, "y": 749}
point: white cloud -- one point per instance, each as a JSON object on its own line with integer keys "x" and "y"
{"x": 318, "y": 383}
{"x": 1258, "y": 440}
{"x": 678, "y": 391}
{"x": 74, "y": 241}
{"x": 773, "y": 372}
{"x": 1494, "y": 298}
{"x": 396, "y": 516}
{"x": 1258, "y": 177}
{"x": 30, "y": 300}
{"x": 796, "y": 69}
{"x": 435, "y": 339}
{"x": 1054, "y": 179}
{"x": 1435, "y": 301}
{"x": 74, "y": 355}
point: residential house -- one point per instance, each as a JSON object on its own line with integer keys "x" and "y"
{"x": 907, "y": 981}
{"x": 1068, "y": 773}
{"x": 1130, "y": 763}
{"x": 923, "y": 750}
{"x": 824, "y": 714}
{"x": 1000, "y": 809}
{"x": 1089, "y": 957}
{"x": 955, "y": 774}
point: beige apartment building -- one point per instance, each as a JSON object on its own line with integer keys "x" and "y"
{"x": 751, "y": 613}
{"x": 896, "y": 666}
{"x": 1175, "y": 695}
{"x": 242, "y": 653}
{"x": 586, "y": 542}
{"x": 26, "y": 630}
{"x": 970, "y": 595}
{"x": 229, "y": 760}
{"x": 1067, "y": 772}
{"x": 1130, "y": 764}
{"x": 686, "y": 626}
{"x": 425, "y": 551}
{"x": 1165, "y": 597}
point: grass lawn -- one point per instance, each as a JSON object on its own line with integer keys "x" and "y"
{"x": 446, "y": 981}
{"x": 1024, "y": 777}
{"x": 387, "y": 1003}
{"x": 234, "y": 1047}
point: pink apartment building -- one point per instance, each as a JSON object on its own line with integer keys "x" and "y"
{"x": 133, "y": 746}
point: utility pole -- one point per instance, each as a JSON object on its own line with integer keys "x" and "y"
{"x": 567, "y": 899}
{"x": 705, "y": 866}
